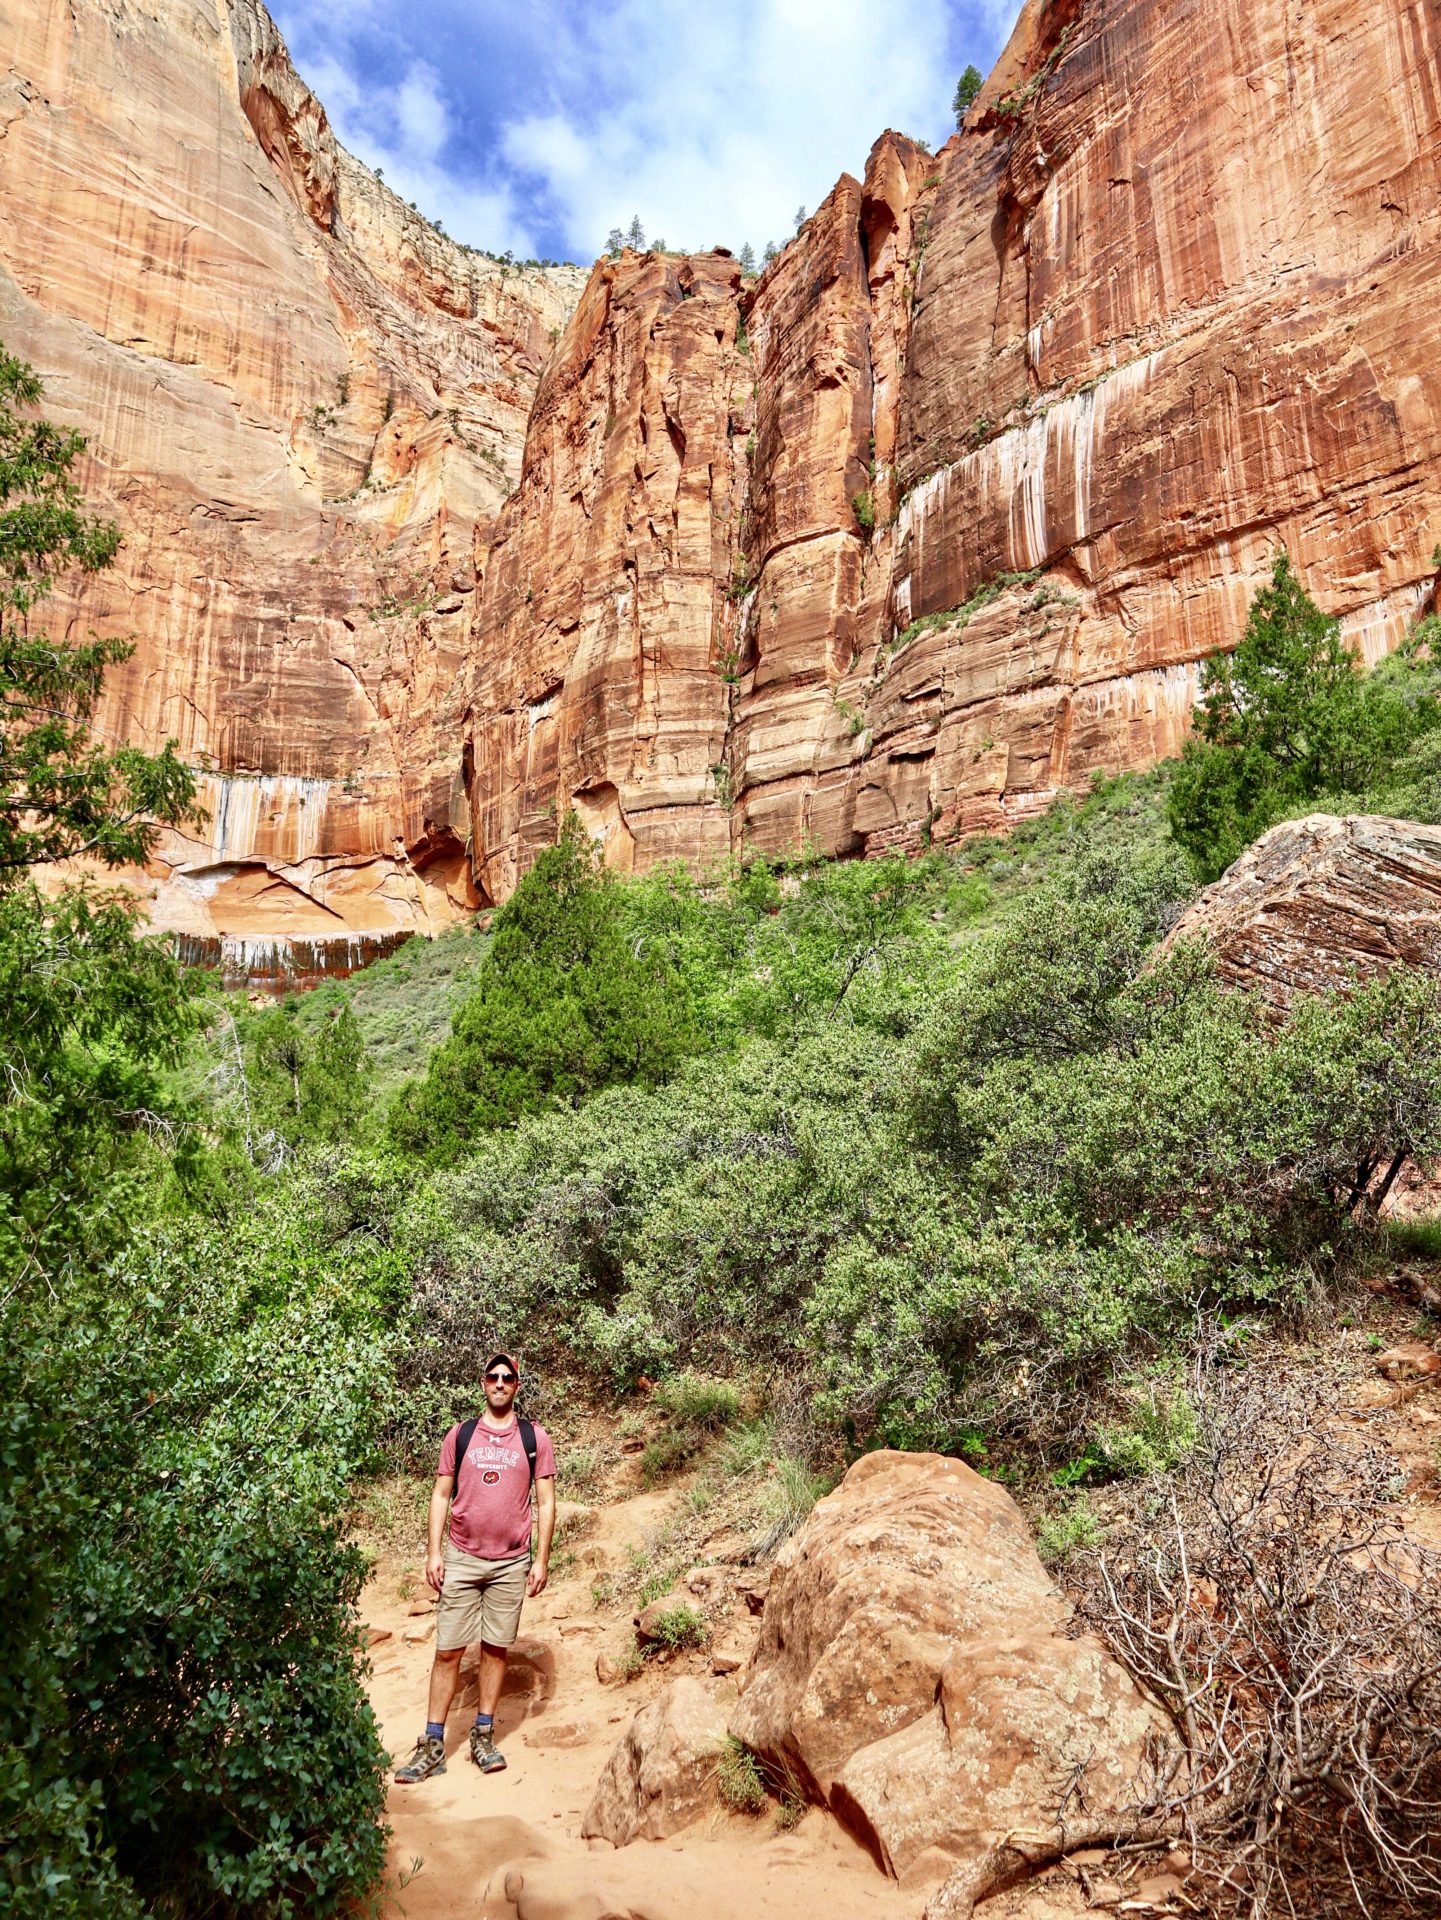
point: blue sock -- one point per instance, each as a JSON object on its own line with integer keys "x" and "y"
{"x": 435, "y": 1729}
{"x": 485, "y": 1721}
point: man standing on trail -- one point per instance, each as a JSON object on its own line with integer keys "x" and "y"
{"x": 484, "y": 1572}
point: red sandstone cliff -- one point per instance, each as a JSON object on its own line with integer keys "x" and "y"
{"x": 1160, "y": 307}
{"x": 934, "y": 520}
{"x": 302, "y": 402}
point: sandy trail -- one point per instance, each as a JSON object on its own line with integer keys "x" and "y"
{"x": 508, "y": 1846}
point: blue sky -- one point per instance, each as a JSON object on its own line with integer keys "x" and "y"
{"x": 540, "y": 126}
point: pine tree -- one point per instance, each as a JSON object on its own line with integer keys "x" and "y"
{"x": 635, "y": 235}
{"x": 771, "y": 252}
{"x": 614, "y": 241}
{"x": 800, "y": 218}
{"x": 747, "y": 258}
{"x": 967, "y": 87}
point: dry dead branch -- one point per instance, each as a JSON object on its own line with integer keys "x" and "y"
{"x": 1268, "y": 1594}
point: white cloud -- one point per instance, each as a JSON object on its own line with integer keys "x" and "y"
{"x": 541, "y": 130}
{"x": 714, "y": 124}
{"x": 403, "y": 128}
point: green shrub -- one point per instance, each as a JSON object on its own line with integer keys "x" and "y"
{"x": 1414, "y": 1239}
{"x": 667, "y": 1453}
{"x": 1071, "y": 1530}
{"x": 92, "y": 1019}
{"x": 562, "y": 1005}
{"x": 182, "y": 1671}
{"x": 678, "y": 1628}
{"x": 1155, "y": 1437}
{"x": 692, "y": 1400}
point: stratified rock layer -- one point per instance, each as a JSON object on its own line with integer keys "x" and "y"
{"x": 1321, "y": 903}
{"x": 932, "y": 521}
{"x": 1013, "y": 433}
{"x": 302, "y": 401}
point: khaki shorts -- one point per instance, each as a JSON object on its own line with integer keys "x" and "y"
{"x": 479, "y": 1600}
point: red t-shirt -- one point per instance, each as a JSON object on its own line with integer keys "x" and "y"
{"x": 490, "y": 1512}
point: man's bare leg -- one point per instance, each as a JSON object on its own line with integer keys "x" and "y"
{"x": 490, "y": 1678}
{"x": 444, "y": 1677}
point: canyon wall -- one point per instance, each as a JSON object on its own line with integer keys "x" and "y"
{"x": 302, "y": 403}
{"x": 934, "y": 520}
{"x": 993, "y": 455}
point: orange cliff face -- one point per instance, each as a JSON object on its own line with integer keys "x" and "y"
{"x": 1010, "y": 440}
{"x": 302, "y": 401}
{"x": 933, "y": 521}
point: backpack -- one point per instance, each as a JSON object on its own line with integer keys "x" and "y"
{"x": 467, "y": 1434}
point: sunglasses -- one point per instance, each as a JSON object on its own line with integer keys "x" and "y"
{"x": 501, "y": 1375}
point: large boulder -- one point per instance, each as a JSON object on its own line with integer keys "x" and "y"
{"x": 915, "y": 1675}
{"x": 1322, "y": 900}
{"x": 662, "y": 1774}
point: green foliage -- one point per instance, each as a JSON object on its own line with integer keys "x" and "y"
{"x": 961, "y": 617}
{"x": 863, "y": 505}
{"x": 678, "y": 1628}
{"x": 739, "y": 1779}
{"x": 1288, "y": 719}
{"x": 183, "y": 1726}
{"x": 91, "y": 1018}
{"x": 1414, "y": 1239}
{"x": 61, "y": 794}
{"x": 307, "y": 1082}
{"x": 182, "y": 1718}
{"x": 1156, "y": 1436}
{"x": 696, "y": 1408}
{"x": 967, "y": 87}
{"x": 704, "y": 1405}
{"x": 563, "y": 1005}
{"x": 1070, "y": 1530}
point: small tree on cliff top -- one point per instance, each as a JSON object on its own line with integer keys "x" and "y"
{"x": 61, "y": 794}
{"x": 967, "y": 87}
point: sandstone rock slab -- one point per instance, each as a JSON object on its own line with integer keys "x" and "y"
{"x": 1322, "y": 901}
{"x": 662, "y": 1774}
{"x": 915, "y": 1675}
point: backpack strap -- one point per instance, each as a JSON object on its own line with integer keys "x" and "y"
{"x": 462, "y": 1448}
{"x": 527, "y": 1440}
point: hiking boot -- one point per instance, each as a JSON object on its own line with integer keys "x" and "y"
{"x": 484, "y": 1752}
{"x": 428, "y": 1758}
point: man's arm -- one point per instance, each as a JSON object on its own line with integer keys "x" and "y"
{"x": 545, "y": 1533}
{"x": 435, "y": 1529}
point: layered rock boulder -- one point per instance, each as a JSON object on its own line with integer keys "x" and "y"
{"x": 916, "y": 1675}
{"x": 1321, "y": 902}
